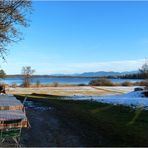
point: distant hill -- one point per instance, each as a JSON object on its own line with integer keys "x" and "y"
{"x": 85, "y": 74}
{"x": 98, "y": 74}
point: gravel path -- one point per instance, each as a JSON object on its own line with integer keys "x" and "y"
{"x": 48, "y": 129}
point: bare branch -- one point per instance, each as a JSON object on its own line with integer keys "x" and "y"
{"x": 12, "y": 14}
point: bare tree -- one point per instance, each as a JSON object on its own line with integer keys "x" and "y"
{"x": 144, "y": 72}
{"x": 27, "y": 73}
{"x": 12, "y": 14}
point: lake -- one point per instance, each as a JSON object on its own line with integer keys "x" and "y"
{"x": 45, "y": 80}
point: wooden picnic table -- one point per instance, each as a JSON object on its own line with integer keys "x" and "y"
{"x": 10, "y": 103}
{"x": 11, "y": 113}
{"x": 7, "y": 115}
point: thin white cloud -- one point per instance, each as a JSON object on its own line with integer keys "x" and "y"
{"x": 69, "y": 68}
{"x": 120, "y": 66}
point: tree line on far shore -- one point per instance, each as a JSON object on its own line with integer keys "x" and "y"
{"x": 142, "y": 74}
{"x": 27, "y": 73}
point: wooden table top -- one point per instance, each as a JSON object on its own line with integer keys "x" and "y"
{"x": 10, "y": 103}
{"x": 11, "y": 110}
{"x": 8, "y": 115}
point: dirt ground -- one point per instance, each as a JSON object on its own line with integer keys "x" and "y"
{"x": 49, "y": 128}
{"x": 71, "y": 90}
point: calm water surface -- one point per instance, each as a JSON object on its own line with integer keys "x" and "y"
{"x": 44, "y": 80}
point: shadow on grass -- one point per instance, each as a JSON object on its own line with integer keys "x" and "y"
{"x": 102, "y": 124}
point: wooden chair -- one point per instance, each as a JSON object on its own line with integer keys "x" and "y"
{"x": 13, "y": 133}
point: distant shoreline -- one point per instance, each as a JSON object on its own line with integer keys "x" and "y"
{"x": 50, "y": 76}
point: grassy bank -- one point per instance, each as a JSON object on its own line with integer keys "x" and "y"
{"x": 102, "y": 124}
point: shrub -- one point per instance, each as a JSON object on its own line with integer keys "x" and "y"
{"x": 13, "y": 85}
{"x": 101, "y": 82}
{"x": 146, "y": 85}
{"x": 142, "y": 83}
{"x": 82, "y": 84}
{"x": 126, "y": 83}
{"x": 38, "y": 83}
{"x": 55, "y": 84}
{"x": 25, "y": 84}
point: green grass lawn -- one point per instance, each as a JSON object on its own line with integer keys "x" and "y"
{"x": 103, "y": 124}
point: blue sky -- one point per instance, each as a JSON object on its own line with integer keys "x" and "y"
{"x": 74, "y": 37}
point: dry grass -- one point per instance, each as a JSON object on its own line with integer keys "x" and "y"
{"x": 67, "y": 90}
{"x": 52, "y": 85}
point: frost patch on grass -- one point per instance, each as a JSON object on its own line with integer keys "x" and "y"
{"x": 37, "y": 106}
{"x": 134, "y": 99}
